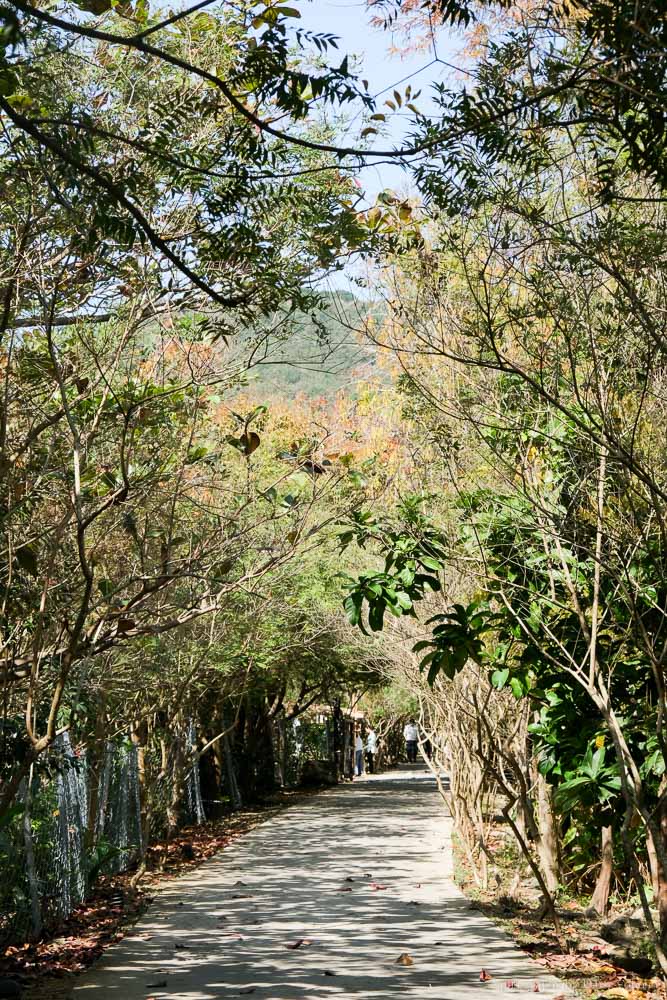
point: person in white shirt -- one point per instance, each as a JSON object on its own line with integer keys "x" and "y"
{"x": 358, "y": 753}
{"x": 371, "y": 750}
{"x": 411, "y": 735}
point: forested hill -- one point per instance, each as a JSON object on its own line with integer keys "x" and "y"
{"x": 321, "y": 353}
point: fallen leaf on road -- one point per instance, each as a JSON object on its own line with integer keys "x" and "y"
{"x": 510, "y": 984}
{"x": 405, "y": 959}
{"x": 299, "y": 943}
{"x": 484, "y": 976}
{"x": 376, "y": 885}
{"x": 536, "y": 987}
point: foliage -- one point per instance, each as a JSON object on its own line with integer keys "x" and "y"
{"x": 412, "y": 554}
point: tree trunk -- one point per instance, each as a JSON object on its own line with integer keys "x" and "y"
{"x": 232, "y": 783}
{"x": 662, "y": 874}
{"x": 547, "y": 841}
{"x": 177, "y": 788}
{"x": 265, "y": 754}
{"x": 338, "y": 750}
{"x": 653, "y": 866}
{"x": 95, "y": 754}
{"x": 284, "y": 751}
{"x": 31, "y": 869}
{"x": 144, "y": 799}
{"x": 600, "y": 897}
{"x": 548, "y": 901}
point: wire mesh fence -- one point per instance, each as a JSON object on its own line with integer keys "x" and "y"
{"x": 76, "y": 820}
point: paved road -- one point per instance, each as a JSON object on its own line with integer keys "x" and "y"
{"x": 362, "y": 873}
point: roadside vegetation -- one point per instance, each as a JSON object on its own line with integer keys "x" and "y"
{"x": 232, "y": 501}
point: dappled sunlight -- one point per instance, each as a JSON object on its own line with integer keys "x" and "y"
{"x": 321, "y": 902}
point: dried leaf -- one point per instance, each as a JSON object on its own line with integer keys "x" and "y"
{"x": 405, "y": 959}
{"x": 484, "y": 976}
{"x": 376, "y": 885}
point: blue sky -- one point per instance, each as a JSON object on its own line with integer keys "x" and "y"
{"x": 350, "y": 20}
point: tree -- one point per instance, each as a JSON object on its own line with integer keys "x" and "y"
{"x": 528, "y": 350}
{"x": 172, "y": 164}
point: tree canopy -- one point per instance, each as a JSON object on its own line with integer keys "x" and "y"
{"x": 233, "y": 500}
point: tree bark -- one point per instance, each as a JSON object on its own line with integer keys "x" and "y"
{"x": 662, "y": 874}
{"x": 600, "y": 897}
{"x": 177, "y": 788}
{"x": 232, "y": 783}
{"x": 31, "y": 868}
{"x": 547, "y": 841}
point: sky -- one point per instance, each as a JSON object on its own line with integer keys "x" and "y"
{"x": 350, "y": 21}
{"x": 385, "y": 70}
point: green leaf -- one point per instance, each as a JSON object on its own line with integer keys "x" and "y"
{"x": 422, "y": 644}
{"x": 517, "y": 688}
{"x": 499, "y": 678}
{"x": 352, "y": 606}
{"x": 376, "y": 615}
{"x": 430, "y": 563}
{"x": 8, "y": 82}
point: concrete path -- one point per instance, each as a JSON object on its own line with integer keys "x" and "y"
{"x": 362, "y": 873}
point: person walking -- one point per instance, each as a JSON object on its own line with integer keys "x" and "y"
{"x": 371, "y": 750}
{"x": 358, "y": 753}
{"x": 411, "y": 735}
